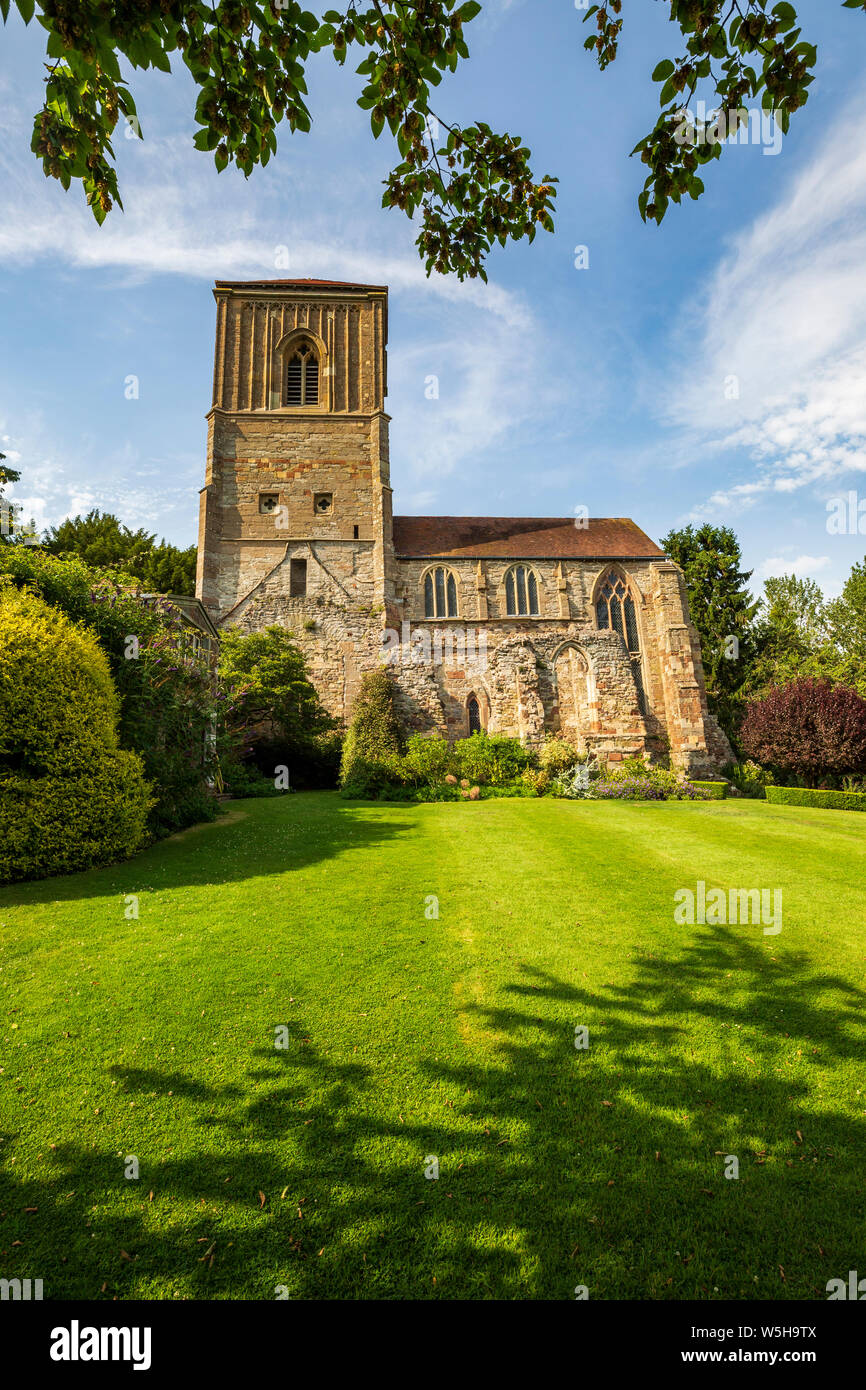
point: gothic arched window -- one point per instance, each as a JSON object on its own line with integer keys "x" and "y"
{"x": 614, "y": 609}
{"x": 521, "y": 592}
{"x": 473, "y": 709}
{"x": 440, "y": 593}
{"x": 302, "y": 375}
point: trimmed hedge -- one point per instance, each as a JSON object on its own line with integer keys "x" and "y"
{"x": 168, "y": 699}
{"x": 58, "y": 825}
{"x": 70, "y": 798}
{"x": 807, "y": 796}
{"x": 715, "y": 791}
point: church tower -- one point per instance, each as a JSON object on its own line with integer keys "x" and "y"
{"x": 296, "y": 505}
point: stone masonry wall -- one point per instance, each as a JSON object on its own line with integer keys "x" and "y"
{"x": 530, "y": 676}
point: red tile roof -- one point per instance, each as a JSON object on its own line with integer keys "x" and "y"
{"x": 525, "y": 537}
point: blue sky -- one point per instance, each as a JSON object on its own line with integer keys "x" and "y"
{"x": 607, "y": 387}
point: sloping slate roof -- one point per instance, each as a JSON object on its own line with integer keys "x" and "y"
{"x": 524, "y": 537}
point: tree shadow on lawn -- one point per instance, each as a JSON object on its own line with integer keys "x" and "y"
{"x": 224, "y": 851}
{"x": 558, "y": 1168}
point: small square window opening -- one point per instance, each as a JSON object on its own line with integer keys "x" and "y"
{"x": 298, "y": 579}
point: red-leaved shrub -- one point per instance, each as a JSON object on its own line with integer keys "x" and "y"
{"x": 810, "y": 727}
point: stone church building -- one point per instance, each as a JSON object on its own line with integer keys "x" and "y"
{"x": 516, "y": 625}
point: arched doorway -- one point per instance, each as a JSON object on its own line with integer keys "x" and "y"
{"x": 573, "y": 684}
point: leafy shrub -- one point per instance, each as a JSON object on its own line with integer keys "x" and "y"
{"x": 644, "y": 789}
{"x": 490, "y": 758}
{"x": 426, "y": 760}
{"x": 807, "y": 796}
{"x": 811, "y": 728}
{"x": 168, "y": 700}
{"x": 627, "y": 789}
{"x": 558, "y": 755}
{"x": 749, "y": 778}
{"x": 371, "y": 781}
{"x": 374, "y": 734}
{"x": 636, "y": 770}
{"x": 634, "y": 780}
{"x": 58, "y": 825}
{"x": 574, "y": 783}
{"x": 244, "y": 779}
{"x": 70, "y": 798}
{"x": 430, "y": 769}
{"x": 538, "y": 779}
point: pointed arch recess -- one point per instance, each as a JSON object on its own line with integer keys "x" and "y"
{"x": 282, "y": 354}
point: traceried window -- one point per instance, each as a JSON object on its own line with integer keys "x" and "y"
{"x": 521, "y": 592}
{"x": 440, "y": 593}
{"x": 614, "y": 609}
{"x": 302, "y": 376}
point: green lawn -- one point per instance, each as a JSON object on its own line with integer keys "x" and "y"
{"x": 412, "y": 1037}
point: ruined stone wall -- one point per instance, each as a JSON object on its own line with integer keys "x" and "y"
{"x": 673, "y": 723}
{"x": 511, "y": 669}
{"x": 521, "y": 671}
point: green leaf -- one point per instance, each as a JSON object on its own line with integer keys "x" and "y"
{"x": 785, "y": 12}
{"x": 25, "y": 9}
{"x": 469, "y": 10}
{"x": 662, "y": 70}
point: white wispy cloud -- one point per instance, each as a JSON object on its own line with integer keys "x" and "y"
{"x": 801, "y": 566}
{"x": 65, "y": 477}
{"x": 773, "y": 357}
{"x": 180, "y": 219}
{"x": 459, "y": 396}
